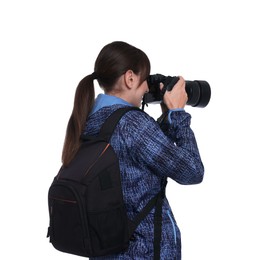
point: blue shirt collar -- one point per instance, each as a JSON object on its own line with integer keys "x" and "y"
{"x": 104, "y": 100}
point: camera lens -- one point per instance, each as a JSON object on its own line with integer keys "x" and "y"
{"x": 198, "y": 92}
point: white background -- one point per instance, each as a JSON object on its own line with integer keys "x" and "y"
{"x": 47, "y": 47}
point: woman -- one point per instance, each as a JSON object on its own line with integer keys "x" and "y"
{"x": 147, "y": 154}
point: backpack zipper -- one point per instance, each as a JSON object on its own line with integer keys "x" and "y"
{"x": 63, "y": 200}
{"x": 90, "y": 167}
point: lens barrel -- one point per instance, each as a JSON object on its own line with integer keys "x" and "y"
{"x": 198, "y": 92}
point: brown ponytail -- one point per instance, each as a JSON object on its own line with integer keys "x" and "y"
{"x": 83, "y": 103}
{"x": 113, "y": 61}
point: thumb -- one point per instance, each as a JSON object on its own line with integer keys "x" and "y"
{"x": 161, "y": 86}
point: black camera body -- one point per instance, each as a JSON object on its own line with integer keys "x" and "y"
{"x": 198, "y": 91}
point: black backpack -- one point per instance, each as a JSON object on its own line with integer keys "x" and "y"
{"x": 86, "y": 207}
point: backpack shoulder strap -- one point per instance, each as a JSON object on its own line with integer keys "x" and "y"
{"x": 157, "y": 202}
{"x": 108, "y": 127}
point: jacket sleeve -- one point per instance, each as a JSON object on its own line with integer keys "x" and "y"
{"x": 171, "y": 153}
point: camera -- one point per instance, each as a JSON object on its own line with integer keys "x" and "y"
{"x": 198, "y": 91}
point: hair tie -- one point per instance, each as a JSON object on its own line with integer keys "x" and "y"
{"x": 94, "y": 75}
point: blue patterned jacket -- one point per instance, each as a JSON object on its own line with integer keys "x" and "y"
{"x": 146, "y": 155}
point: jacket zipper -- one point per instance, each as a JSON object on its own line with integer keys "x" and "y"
{"x": 174, "y": 227}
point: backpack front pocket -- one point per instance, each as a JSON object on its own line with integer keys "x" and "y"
{"x": 67, "y": 229}
{"x": 108, "y": 229}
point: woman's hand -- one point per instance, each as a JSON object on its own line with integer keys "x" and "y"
{"x": 177, "y": 97}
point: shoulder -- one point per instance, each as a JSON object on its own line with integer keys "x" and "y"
{"x": 133, "y": 121}
{"x": 137, "y": 118}
{"x": 137, "y": 125}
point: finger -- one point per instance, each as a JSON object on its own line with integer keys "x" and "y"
{"x": 181, "y": 80}
{"x": 161, "y": 86}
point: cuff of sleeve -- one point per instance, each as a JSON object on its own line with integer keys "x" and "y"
{"x": 172, "y": 111}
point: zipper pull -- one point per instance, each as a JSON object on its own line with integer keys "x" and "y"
{"x": 48, "y": 232}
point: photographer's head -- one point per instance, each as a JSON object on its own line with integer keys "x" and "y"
{"x": 121, "y": 70}
{"x": 120, "y": 66}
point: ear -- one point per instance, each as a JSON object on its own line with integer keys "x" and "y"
{"x": 130, "y": 79}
